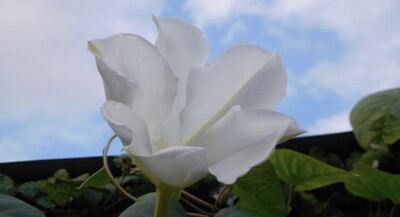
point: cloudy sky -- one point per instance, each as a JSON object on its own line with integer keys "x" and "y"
{"x": 335, "y": 52}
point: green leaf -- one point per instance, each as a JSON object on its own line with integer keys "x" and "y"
{"x": 81, "y": 178}
{"x": 122, "y": 160}
{"x": 75, "y": 192}
{"x": 118, "y": 162}
{"x": 128, "y": 179}
{"x": 6, "y": 185}
{"x": 99, "y": 179}
{"x": 61, "y": 194}
{"x": 145, "y": 208}
{"x": 12, "y": 207}
{"x": 376, "y": 118}
{"x": 93, "y": 196}
{"x": 373, "y": 184}
{"x": 51, "y": 180}
{"x": 261, "y": 191}
{"x": 61, "y": 174}
{"x": 45, "y": 202}
{"x": 304, "y": 172}
{"x": 235, "y": 212}
{"x": 146, "y": 196}
{"x": 28, "y": 189}
{"x": 45, "y": 187}
{"x": 309, "y": 198}
{"x": 58, "y": 193}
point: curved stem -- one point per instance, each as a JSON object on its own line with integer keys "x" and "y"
{"x": 223, "y": 196}
{"x": 393, "y": 210}
{"x": 196, "y": 199}
{"x": 291, "y": 195}
{"x": 198, "y": 209}
{"x": 163, "y": 200}
{"x": 107, "y": 168}
{"x": 378, "y": 210}
{"x": 190, "y": 214}
{"x": 324, "y": 205}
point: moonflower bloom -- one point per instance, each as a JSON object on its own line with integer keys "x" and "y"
{"x": 180, "y": 119}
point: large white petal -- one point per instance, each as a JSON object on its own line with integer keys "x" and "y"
{"x": 183, "y": 45}
{"x": 243, "y": 139}
{"x": 140, "y": 61}
{"x": 117, "y": 86}
{"x": 244, "y": 75}
{"x": 178, "y": 167}
{"x": 267, "y": 87}
{"x": 293, "y": 130}
{"x": 128, "y": 126}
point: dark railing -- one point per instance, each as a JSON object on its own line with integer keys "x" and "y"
{"x": 341, "y": 144}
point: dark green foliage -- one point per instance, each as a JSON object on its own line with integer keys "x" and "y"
{"x": 28, "y": 189}
{"x": 13, "y": 207}
{"x": 236, "y": 212}
{"x": 59, "y": 188}
{"x": 6, "y": 185}
{"x": 289, "y": 184}
{"x": 145, "y": 208}
{"x": 60, "y": 195}
{"x": 373, "y": 184}
{"x": 260, "y": 191}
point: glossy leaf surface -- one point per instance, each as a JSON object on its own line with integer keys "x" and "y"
{"x": 376, "y": 118}
{"x": 99, "y": 179}
{"x": 373, "y": 184}
{"x": 304, "y": 172}
{"x": 12, "y": 207}
{"x": 145, "y": 208}
{"x": 236, "y": 212}
{"x": 261, "y": 191}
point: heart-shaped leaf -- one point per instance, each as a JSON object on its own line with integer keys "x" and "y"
{"x": 145, "y": 208}
{"x": 99, "y": 179}
{"x": 6, "y": 185}
{"x": 236, "y": 212}
{"x": 61, "y": 194}
{"x": 376, "y": 118}
{"x": 373, "y": 184}
{"x": 304, "y": 172}
{"x": 261, "y": 191}
{"x": 45, "y": 202}
{"x": 61, "y": 174}
{"x": 12, "y": 207}
{"x": 28, "y": 189}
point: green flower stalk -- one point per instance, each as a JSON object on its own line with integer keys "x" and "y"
{"x": 163, "y": 200}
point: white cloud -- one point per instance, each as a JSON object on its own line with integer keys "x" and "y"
{"x": 350, "y": 19}
{"x": 210, "y": 13}
{"x": 359, "y": 72}
{"x": 12, "y": 150}
{"x": 206, "y": 12}
{"x": 368, "y": 29}
{"x": 237, "y": 28}
{"x": 43, "y": 47}
{"x": 335, "y": 123}
{"x": 286, "y": 39}
{"x": 56, "y": 139}
{"x": 292, "y": 89}
{"x": 48, "y": 76}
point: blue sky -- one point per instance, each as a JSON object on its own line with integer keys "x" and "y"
{"x": 335, "y": 53}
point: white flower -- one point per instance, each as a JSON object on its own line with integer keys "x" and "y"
{"x": 180, "y": 119}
